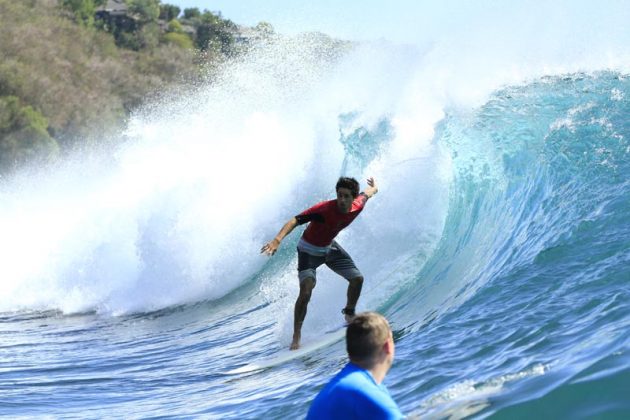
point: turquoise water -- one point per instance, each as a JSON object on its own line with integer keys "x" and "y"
{"x": 498, "y": 246}
{"x": 538, "y": 228}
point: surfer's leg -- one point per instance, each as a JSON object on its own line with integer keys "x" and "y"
{"x": 354, "y": 291}
{"x": 341, "y": 263}
{"x": 299, "y": 313}
{"x": 307, "y": 265}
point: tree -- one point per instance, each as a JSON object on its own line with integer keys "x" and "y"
{"x": 175, "y": 35}
{"x": 191, "y": 13}
{"x": 23, "y": 134}
{"x": 142, "y": 30}
{"x": 169, "y": 12}
{"x": 145, "y": 10}
{"x": 83, "y": 10}
{"x": 175, "y": 26}
{"x": 214, "y": 30}
{"x": 179, "y": 39}
{"x": 265, "y": 29}
{"x": 148, "y": 36}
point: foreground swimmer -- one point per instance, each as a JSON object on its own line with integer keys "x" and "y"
{"x": 317, "y": 246}
{"x": 357, "y": 391}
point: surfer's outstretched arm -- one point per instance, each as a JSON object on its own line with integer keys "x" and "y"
{"x": 372, "y": 189}
{"x": 271, "y": 247}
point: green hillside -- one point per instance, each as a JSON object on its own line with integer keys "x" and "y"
{"x": 71, "y": 71}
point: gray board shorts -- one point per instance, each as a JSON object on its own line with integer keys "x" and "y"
{"x": 337, "y": 259}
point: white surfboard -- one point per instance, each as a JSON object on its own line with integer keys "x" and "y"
{"x": 284, "y": 356}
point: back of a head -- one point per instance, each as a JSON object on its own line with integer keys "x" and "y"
{"x": 365, "y": 336}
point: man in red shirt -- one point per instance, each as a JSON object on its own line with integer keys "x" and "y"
{"x": 317, "y": 246}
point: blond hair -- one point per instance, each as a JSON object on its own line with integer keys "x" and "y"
{"x": 365, "y": 336}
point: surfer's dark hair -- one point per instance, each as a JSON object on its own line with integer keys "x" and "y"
{"x": 349, "y": 183}
{"x": 365, "y": 336}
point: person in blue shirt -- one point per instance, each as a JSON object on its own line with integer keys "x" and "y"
{"x": 357, "y": 391}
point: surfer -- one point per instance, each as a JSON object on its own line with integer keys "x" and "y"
{"x": 317, "y": 246}
{"x": 357, "y": 392}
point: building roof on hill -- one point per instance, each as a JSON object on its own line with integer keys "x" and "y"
{"x": 114, "y": 7}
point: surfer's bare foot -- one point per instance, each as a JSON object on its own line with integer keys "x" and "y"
{"x": 295, "y": 344}
{"x": 348, "y": 314}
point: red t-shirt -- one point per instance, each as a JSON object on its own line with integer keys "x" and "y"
{"x": 326, "y": 221}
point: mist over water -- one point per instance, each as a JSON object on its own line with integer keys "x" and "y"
{"x": 499, "y": 146}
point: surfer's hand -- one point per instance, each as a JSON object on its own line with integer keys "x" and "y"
{"x": 270, "y": 247}
{"x": 372, "y": 188}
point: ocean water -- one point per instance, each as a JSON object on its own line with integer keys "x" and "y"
{"x": 498, "y": 245}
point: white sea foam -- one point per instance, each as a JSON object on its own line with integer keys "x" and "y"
{"x": 468, "y": 397}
